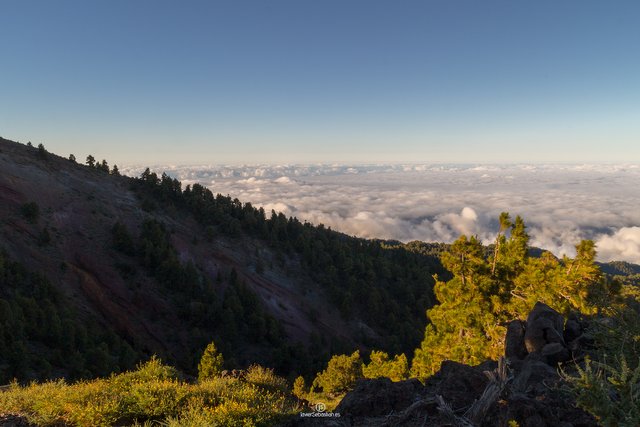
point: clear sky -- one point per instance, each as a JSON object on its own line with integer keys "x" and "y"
{"x": 326, "y": 80}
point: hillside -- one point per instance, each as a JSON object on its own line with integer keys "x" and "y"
{"x": 134, "y": 267}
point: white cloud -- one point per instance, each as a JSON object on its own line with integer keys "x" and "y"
{"x": 253, "y": 181}
{"x": 561, "y": 204}
{"x": 623, "y": 244}
{"x": 283, "y": 180}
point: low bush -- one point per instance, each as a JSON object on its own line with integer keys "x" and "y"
{"x": 611, "y": 393}
{"x": 154, "y": 395}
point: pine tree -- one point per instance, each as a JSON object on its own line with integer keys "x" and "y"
{"x": 42, "y": 152}
{"x": 210, "y": 364}
{"x": 456, "y": 329}
{"x": 505, "y": 223}
{"x": 103, "y": 166}
{"x": 91, "y": 161}
{"x": 484, "y": 294}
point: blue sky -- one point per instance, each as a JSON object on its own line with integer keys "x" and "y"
{"x": 323, "y": 81}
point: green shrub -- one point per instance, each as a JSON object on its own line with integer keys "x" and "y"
{"x": 611, "y": 393}
{"x": 380, "y": 366}
{"x": 341, "y": 373}
{"x": 265, "y": 378}
{"x": 608, "y": 387}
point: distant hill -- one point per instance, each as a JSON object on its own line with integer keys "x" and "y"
{"x": 619, "y": 268}
{"x": 120, "y": 268}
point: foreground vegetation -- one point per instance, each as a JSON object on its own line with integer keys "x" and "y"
{"x": 607, "y": 385}
{"x": 154, "y": 394}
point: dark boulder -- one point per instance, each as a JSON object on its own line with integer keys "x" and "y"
{"x": 542, "y": 338}
{"x": 544, "y": 326}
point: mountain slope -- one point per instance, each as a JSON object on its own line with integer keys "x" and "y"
{"x": 273, "y": 291}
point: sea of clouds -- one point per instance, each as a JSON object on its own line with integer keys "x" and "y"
{"x": 560, "y": 203}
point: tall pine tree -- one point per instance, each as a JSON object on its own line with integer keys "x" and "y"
{"x": 488, "y": 291}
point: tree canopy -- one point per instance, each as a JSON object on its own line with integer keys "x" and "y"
{"x": 490, "y": 288}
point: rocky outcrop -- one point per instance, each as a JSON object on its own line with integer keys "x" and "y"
{"x": 524, "y": 386}
{"x": 544, "y": 337}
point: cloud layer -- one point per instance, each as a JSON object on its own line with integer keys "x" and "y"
{"x": 561, "y": 204}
